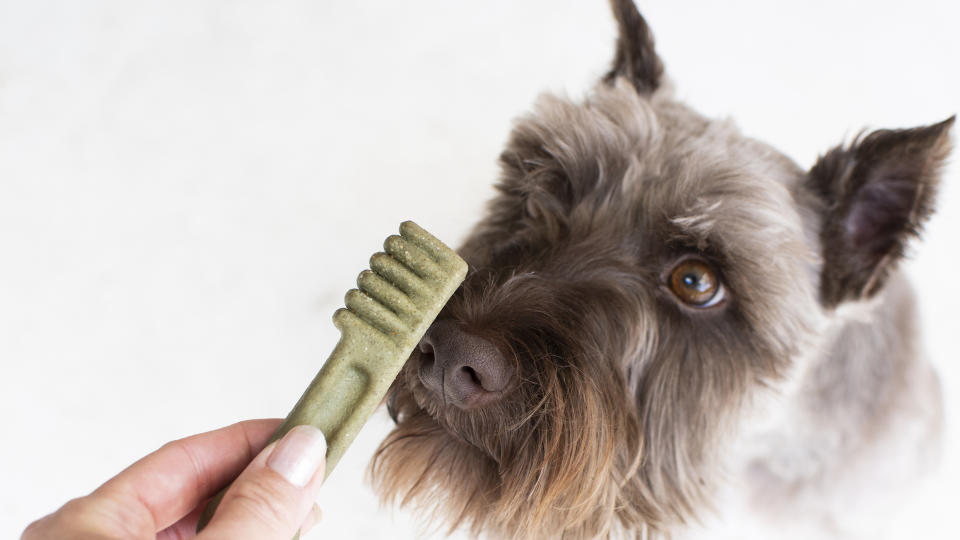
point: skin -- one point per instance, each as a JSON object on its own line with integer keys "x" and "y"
{"x": 161, "y": 495}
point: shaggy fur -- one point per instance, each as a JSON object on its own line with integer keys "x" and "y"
{"x": 631, "y": 409}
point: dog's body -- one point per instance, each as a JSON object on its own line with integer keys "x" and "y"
{"x": 844, "y": 441}
{"x": 665, "y": 320}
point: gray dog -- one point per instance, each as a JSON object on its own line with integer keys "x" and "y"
{"x": 666, "y": 320}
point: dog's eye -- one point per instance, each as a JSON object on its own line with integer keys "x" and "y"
{"x": 696, "y": 284}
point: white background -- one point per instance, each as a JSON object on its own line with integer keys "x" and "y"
{"x": 187, "y": 188}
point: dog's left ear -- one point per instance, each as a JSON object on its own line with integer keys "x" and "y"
{"x": 875, "y": 194}
{"x": 636, "y": 59}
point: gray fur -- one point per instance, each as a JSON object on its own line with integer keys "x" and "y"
{"x": 633, "y": 411}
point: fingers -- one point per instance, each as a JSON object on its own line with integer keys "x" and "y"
{"x": 172, "y": 481}
{"x": 274, "y": 497}
{"x": 161, "y": 488}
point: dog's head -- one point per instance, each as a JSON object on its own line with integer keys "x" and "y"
{"x": 641, "y": 273}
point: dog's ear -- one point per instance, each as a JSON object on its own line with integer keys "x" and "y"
{"x": 875, "y": 194}
{"x": 635, "y": 59}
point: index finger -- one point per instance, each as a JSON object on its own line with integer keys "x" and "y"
{"x": 167, "y": 484}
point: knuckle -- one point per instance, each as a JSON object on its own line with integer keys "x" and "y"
{"x": 104, "y": 515}
{"x": 34, "y": 530}
{"x": 72, "y": 517}
{"x": 75, "y": 510}
{"x": 264, "y": 500}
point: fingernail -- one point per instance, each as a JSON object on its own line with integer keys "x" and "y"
{"x": 311, "y": 520}
{"x": 299, "y": 454}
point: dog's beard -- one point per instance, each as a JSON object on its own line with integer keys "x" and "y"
{"x": 605, "y": 432}
{"x": 551, "y": 461}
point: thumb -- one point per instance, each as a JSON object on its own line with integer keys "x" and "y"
{"x": 275, "y": 493}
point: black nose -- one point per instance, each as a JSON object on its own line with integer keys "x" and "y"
{"x": 460, "y": 368}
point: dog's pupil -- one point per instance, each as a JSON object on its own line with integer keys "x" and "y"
{"x": 694, "y": 282}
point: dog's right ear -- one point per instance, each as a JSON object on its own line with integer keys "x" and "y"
{"x": 636, "y": 60}
{"x": 874, "y": 195}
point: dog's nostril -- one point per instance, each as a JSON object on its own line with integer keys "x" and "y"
{"x": 427, "y": 372}
{"x": 473, "y": 375}
{"x": 426, "y": 360}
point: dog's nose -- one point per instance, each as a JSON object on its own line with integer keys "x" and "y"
{"x": 461, "y": 368}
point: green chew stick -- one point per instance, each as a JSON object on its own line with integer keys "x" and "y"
{"x": 385, "y": 318}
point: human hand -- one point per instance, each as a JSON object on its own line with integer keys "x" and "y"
{"x": 162, "y": 495}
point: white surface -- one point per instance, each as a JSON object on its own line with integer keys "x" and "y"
{"x": 187, "y": 188}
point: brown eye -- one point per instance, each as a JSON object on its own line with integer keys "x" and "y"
{"x": 695, "y": 283}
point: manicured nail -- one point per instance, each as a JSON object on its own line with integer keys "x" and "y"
{"x": 299, "y": 454}
{"x": 311, "y": 520}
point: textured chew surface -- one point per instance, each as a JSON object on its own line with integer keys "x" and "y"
{"x": 385, "y": 317}
{"x": 407, "y": 286}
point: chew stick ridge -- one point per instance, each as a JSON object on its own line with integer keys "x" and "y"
{"x": 384, "y": 319}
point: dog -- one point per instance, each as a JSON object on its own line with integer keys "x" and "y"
{"x": 663, "y": 316}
